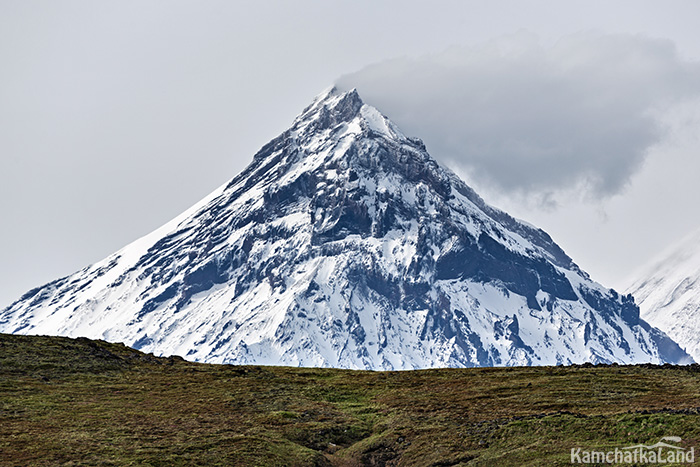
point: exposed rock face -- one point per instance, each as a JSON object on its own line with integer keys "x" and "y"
{"x": 345, "y": 244}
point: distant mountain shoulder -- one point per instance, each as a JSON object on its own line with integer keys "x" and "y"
{"x": 668, "y": 293}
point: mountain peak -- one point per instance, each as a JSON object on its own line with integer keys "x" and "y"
{"x": 330, "y": 108}
{"x": 334, "y": 107}
{"x": 332, "y": 97}
{"x": 345, "y": 244}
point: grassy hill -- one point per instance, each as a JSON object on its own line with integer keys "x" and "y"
{"x": 82, "y": 402}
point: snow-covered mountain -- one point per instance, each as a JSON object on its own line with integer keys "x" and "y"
{"x": 668, "y": 293}
{"x": 345, "y": 244}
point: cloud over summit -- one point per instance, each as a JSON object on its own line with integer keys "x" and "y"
{"x": 533, "y": 119}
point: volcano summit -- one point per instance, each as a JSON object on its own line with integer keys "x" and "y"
{"x": 345, "y": 244}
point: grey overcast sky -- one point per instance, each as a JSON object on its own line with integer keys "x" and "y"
{"x": 580, "y": 117}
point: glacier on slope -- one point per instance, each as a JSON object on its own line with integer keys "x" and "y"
{"x": 345, "y": 244}
{"x": 668, "y": 292}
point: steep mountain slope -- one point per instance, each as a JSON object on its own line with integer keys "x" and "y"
{"x": 668, "y": 293}
{"x": 345, "y": 244}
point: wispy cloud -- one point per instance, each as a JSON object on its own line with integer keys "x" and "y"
{"x": 533, "y": 119}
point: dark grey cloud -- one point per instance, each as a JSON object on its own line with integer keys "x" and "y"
{"x": 534, "y": 119}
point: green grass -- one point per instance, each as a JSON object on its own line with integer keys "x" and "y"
{"x": 81, "y": 402}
